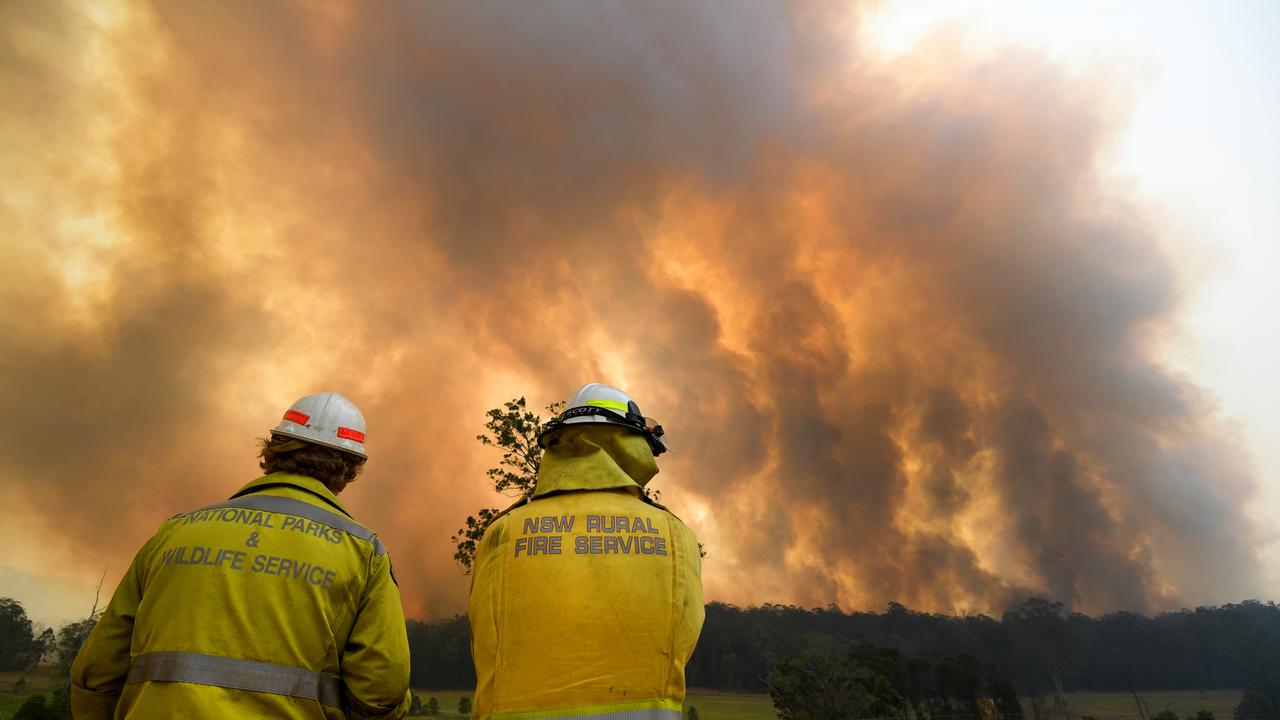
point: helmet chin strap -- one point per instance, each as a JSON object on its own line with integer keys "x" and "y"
{"x": 633, "y": 421}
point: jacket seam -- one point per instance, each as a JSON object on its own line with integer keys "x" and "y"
{"x": 258, "y": 488}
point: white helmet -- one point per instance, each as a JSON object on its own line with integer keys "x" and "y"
{"x": 326, "y": 419}
{"x": 600, "y": 403}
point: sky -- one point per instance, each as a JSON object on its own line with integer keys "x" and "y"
{"x": 1200, "y": 147}
{"x": 943, "y": 304}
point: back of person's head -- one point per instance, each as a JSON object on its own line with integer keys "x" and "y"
{"x": 320, "y": 436}
{"x": 334, "y": 468}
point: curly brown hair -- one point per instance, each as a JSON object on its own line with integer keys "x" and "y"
{"x": 334, "y": 468}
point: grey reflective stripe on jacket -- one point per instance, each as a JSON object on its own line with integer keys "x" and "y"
{"x": 236, "y": 674}
{"x": 651, "y": 714}
{"x": 289, "y": 506}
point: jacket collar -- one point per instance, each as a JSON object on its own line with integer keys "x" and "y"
{"x": 301, "y": 482}
{"x": 595, "y": 457}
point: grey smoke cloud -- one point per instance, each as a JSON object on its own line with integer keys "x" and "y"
{"x": 902, "y": 337}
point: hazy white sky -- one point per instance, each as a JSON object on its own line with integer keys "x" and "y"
{"x": 1203, "y": 148}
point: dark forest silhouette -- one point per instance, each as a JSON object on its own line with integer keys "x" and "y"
{"x": 940, "y": 664}
{"x": 1038, "y": 647}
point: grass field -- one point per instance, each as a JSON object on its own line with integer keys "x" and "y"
{"x": 41, "y": 680}
{"x": 448, "y": 700}
{"x": 1104, "y": 706}
{"x": 1121, "y": 705}
{"x": 713, "y": 705}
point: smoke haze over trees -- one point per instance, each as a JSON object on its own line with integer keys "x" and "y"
{"x": 1033, "y": 647}
{"x": 905, "y": 340}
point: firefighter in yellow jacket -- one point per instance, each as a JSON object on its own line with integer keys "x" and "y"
{"x": 275, "y": 603}
{"x": 587, "y": 599}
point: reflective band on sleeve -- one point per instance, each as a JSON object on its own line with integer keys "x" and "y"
{"x": 610, "y": 405}
{"x": 237, "y": 674}
{"x": 289, "y": 506}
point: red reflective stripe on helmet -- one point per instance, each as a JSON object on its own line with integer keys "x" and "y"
{"x": 350, "y": 434}
{"x": 295, "y": 416}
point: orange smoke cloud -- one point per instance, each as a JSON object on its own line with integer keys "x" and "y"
{"x": 901, "y": 338}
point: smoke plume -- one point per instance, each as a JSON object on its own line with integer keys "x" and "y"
{"x": 904, "y": 341}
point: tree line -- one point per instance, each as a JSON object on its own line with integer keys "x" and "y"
{"x": 936, "y": 665}
{"x": 864, "y": 681}
{"x": 24, "y": 645}
{"x": 1040, "y": 647}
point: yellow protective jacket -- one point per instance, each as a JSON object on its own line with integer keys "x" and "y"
{"x": 586, "y": 602}
{"x": 274, "y": 603}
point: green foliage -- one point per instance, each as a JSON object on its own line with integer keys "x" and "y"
{"x": 59, "y": 707}
{"x": 716, "y": 704}
{"x": 1005, "y": 698}
{"x": 739, "y": 646}
{"x": 692, "y": 714}
{"x": 440, "y": 654}
{"x": 467, "y": 539}
{"x": 33, "y": 709}
{"x": 959, "y": 678}
{"x": 1046, "y": 640}
{"x": 45, "y": 643}
{"x": 70, "y": 637}
{"x": 37, "y": 707}
{"x": 20, "y": 647}
{"x": 1203, "y": 714}
{"x": 823, "y": 686}
{"x": 1261, "y": 698}
{"x": 464, "y": 705}
{"x": 1165, "y": 714}
{"x": 868, "y": 681}
{"x": 419, "y": 709}
{"x": 513, "y": 429}
{"x": 63, "y": 646}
